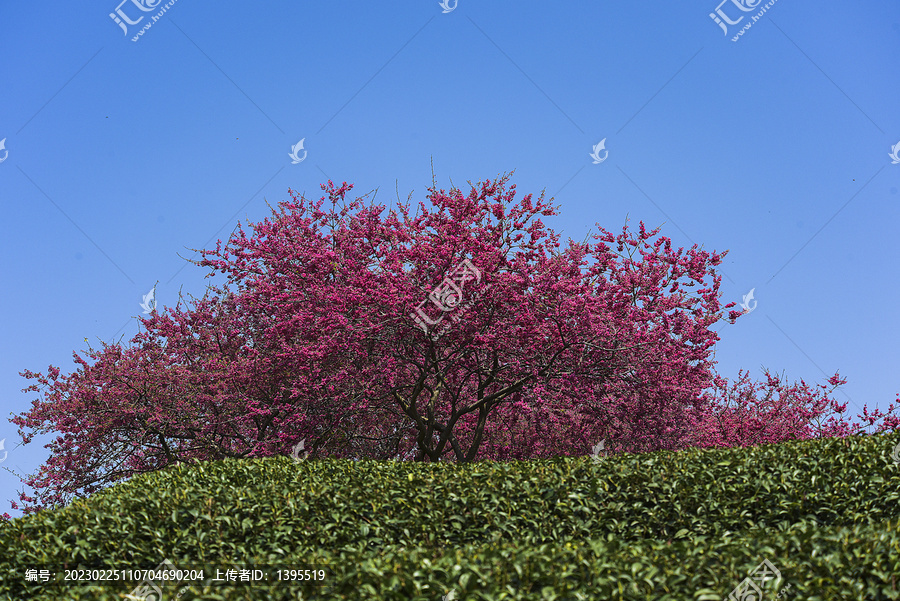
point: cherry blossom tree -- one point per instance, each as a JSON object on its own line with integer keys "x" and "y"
{"x": 737, "y": 415}
{"x": 460, "y": 333}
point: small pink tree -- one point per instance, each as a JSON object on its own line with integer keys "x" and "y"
{"x": 737, "y": 416}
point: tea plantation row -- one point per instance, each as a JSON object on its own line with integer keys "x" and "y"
{"x": 811, "y": 520}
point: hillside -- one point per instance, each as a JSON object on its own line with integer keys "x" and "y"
{"x": 689, "y": 525}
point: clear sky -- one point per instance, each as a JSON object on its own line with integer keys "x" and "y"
{"x": 119, "y": 155}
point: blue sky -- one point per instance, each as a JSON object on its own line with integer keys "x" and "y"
{"x": 119, "y": 155}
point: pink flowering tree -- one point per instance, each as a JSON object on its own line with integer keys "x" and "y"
{"x": 750, "y": 413}
{"x": 451, "y": 317}
{"x": 459, "y": 333}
